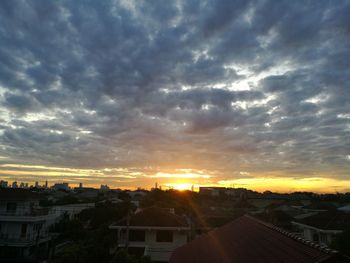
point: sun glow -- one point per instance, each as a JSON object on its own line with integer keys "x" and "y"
{"x": 289, "y": 184}
{"x": 179, "y": 186}
{"x": 180, "y": 175}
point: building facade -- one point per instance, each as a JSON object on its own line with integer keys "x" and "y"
{"x": 24, "y": 226}
{"x": 152, "y": 232}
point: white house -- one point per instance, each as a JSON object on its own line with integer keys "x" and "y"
{"x": 153, "y": 232}
{"x": 322, "y": 228}
{"x": 23, "y": 225}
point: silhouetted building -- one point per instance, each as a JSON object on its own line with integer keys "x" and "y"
{"x": 3, "y": 184}
{"x": 61, "y": 186}
{"x": 154, "y": 232}
{"x": 23, "y": 226}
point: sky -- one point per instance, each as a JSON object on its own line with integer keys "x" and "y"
{"x": 251, "y": 94}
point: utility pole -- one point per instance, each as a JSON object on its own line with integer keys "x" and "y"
{"x": 127, "y": 230}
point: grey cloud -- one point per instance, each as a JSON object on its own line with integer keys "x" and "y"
{"x": 20, "y": 103}
{"x": 158, "y": 83}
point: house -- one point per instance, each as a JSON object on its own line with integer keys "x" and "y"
{"x": 61, "y": 186}
{"x": 345, "y": 209}
{"x": 136, "y": 196}
{"x": 323, "y": 227}
{"x": 154, "y": 232}
{"x": 247, "y": 239}
{"x": 87, "y": 193}
{"x": 23, "y": 226}
{"x": 213, "y": 190}
{"x": 71, "y": 210}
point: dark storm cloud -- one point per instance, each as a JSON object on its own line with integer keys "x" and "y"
{"x": 217, "y": 85}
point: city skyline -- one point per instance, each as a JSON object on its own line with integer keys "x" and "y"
{"x": 253, "y": 94}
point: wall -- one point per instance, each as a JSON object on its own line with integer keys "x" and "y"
{"x": 159, "y": 251}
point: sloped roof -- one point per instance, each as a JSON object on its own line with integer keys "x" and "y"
{"x": 249, "y": 240}
{"x": 329, "y": 220}
{"x": 155, "y": 216}
{"x": 18, "y": 194}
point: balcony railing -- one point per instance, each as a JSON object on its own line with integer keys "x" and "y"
{"x": 31, "y": 212}
{"x": 12, "y": 239}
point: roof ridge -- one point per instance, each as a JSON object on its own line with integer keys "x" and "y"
{"x": 299, "y": 239}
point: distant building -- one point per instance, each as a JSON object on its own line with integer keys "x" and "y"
{"x": 71, "y": 210}
{"x": 23, "y": 226}
{"x": 61, "y": 186}
{"x": 345, "y": 209}
{"x": 36, "y": 185}
{"x": 104, "y": 188}
{"x": 46, "y": 184}
{"x": 3, "y": 184}
{"x": 249, "y": 240}
{"x": 136, "y": 196}
{"x": 213, "y": 191}
{"x": 153, "y": 232}
{"x": 80, "y": 185}
{"x": 86, "y": 193}
{"x": 322, "y": 228}
{"x": 14, "y": 184}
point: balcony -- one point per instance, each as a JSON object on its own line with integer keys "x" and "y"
{"x": 32, "y": 215}
{"x": 29, "y": 240}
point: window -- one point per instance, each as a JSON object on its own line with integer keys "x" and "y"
{"x": 137, "y": 235}
{"x": 37, "y": 227}
{"x": 24, "y": 230}
{"x": 323, "y": 238}
{"x": 11, "y": 207}
{"x": 164, "y": 236}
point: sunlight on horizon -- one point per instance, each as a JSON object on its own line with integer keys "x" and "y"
{"x": 180, "y": 179}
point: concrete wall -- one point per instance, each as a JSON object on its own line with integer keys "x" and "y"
{"x": 319, "y": 237}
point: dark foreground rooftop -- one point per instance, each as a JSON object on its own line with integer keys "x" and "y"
{"x": 247, "y": 239}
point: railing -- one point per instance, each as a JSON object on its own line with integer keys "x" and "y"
{"x": 31, "y": 212}
{"x": 6, "y": 238}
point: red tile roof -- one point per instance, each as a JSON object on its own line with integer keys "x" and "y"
{"x": 249, "y": 240}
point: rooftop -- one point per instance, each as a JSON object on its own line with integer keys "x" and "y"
{"x": 249, "y": 240}
{"x": 154, "y": 216}
{"x": 329, "y": 220}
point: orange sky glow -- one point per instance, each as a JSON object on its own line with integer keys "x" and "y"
{"x": 180, "y": 179}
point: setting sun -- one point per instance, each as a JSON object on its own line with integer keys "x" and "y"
{"x": 179, "y": 186}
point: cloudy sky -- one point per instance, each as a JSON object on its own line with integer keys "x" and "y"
{"x": 129, "y": 93}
